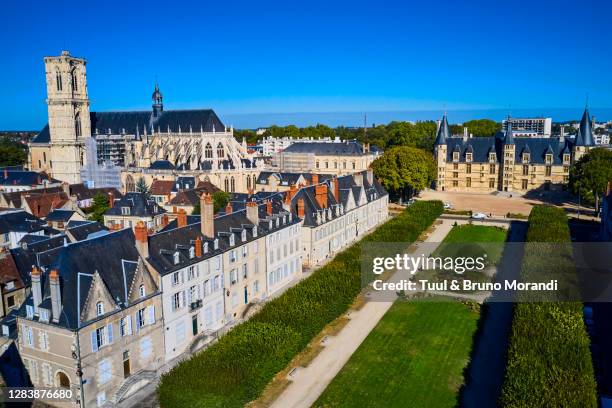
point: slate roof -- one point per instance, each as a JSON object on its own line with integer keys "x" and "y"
{"x": 129, "y": 122}
{"x": 86, "y": 230}
{"x": 8, "y": 271}
{"x": 139, "y": 206}
{"x": 192, "y": 196}
{"x": 42, "y": 204}
{"x": 443, "y": 132}
{"x": 183, "y": 183}
{"x": 15, "y": 198}
{"x": 59, "y": 215}
{"x": 42, "y": 253}
{"x": 161, "y": 165}
{"x": 20, "y": 221}
{"x": 82, "y": 192}
{"x": 585, "y": 130}
{"x": 346, "y": 148}
{"x": 25, "y": 178}
{"x": 287, "y": 178}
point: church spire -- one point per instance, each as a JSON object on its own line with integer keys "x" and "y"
{"x": 158, "y": 105}
{"x": 585, "y": 130}
{"x": 509, "y": 137}
{"x": 443, "y": 132}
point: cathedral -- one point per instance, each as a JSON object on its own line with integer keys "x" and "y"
{"x": 154, "y": 144}
{"x": 507, "y": 163}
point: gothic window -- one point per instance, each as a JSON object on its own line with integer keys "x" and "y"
{"x": 254, "y": 181}
{"x": 77, "y": 124}
{"x": 233, "y": 184}
{"x": 220, "y": 151}
{"x": 248, "y": 182}
{"x": 226, "y": 185}
{"x": 130, "y": 186}
{"x": 75, "y": 80}
{"x": 58, "y": 80}
{"x": 208, "y": 151}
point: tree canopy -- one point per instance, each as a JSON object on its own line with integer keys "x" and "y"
{"x": 12, "y": 153}
{"x": 478, "y": 127}
{"x": 404, "y": 170}
{"x": 143, "y": 188}
{"x": 99, "y": 207}
{"x": 590, "y": 175}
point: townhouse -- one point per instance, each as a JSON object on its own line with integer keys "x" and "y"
{"x": 132, "y": 208}
{"x": 92, "y": 322}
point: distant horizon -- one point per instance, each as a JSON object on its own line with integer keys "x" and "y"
{"x": 333, "y": 119}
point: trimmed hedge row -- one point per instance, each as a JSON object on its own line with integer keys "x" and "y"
{"x": 236, "y": 369}
{"x": 549, "y": 361}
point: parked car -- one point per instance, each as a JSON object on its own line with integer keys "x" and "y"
{"x": 448, "y": 206}
{"x": 479, "y": 216}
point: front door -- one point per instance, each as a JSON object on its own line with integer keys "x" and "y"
{"x": 194, "y": 324}
{"x": 126, "y": 364}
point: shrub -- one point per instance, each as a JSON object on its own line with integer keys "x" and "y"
{"x": 549, "y": 362}
{"x": 236, "y": 369}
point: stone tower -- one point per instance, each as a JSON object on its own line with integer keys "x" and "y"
{"x": 509, "y": 150}
{"x": 440, "y": 147}
{"x": 68, "y": 109}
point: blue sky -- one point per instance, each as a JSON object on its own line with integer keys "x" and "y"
{"x": 311, "y": 56}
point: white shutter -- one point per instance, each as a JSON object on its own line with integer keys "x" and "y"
{"x": 151, "y": 314}
{"x": 109, "y": 333}
{"x": 128, "y": 324}
{"x": 94, "y": 341}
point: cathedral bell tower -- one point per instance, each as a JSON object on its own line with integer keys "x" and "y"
{"x": 68, "y": 109}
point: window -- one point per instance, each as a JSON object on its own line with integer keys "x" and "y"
{"x": 525, "y": 157}
{"x": 192, "y": 295}
{"x": 75, "y": 81}
{"x": 456, "y": 156}
{"x": 77, "y": 124}
{"x": 468, "y": 182}
{"x": 232, "y": 253}
{"x": 176, "y": 301}
{"x": 28, "y": 336}
{"x": 491, "y": 169}
{"x": 491, "y": 183}
{"x": 192, "y": 272}
{"x": 233, "y": 277}
{"x": 492, "y": 157}
{"x": 29, "y": 311}
{"x": 104, "y": 371}
{"x": 455, "y": 166}
{"x": 125, "y": 210}
{"x": 566, "y": 169}
{"x": 549, "y": 158}
{"x": 47, "y": 375}
{"x": 43, "y": 340}
{"x": 468, "y": 157}
{"x": 175, "y": 278}
{"x": 548, "y": 170}
{"x": 525, "y": 170}
{"x": 125, "y": 326}
{"x": 141, "y": 291}
{"x": 468, "y": 168}
{"x": 245, "y": 271}
{"x": 191, "y": 252}
{"x": 256, "y": 286}
{"x": 176, "y": 257}
{"x": 524, "y": 184}
{"x": 146, "y": 347}
{"x": 58, "y": 80}
{"x": 99, "y": 309}
{"x": 44, "y": 315}
{"x": 140, "y": 318}
{"x": 566, "y": 158}
{"x": 455, "y": 174}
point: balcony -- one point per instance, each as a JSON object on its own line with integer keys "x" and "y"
{"x": 195, "y": 305}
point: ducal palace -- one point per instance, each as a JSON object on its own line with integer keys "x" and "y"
{"x": 507, "y": 163}
{"x": 155, "y": 144}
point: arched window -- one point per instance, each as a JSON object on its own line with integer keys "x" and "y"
{"x": 62, "y": 380}
{"x": 141, "y": 291}
{"x": 99, "y": 308}
{"x": 233, "y": 184}
{"x": 75, "y": 80}
{"x": 130, "y": 186}
{"x": 77, "y": 124}
{"x": 220, "y": 151}
{"x": 254, "y": 181}
{"x": 226, "y": 185}
{"x": 248, "y": 182}
{"x": 208, "y": 151}
{"x": 58, "y": 80}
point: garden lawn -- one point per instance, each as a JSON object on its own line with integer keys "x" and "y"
{"x": 490, "y": 238}
{"x": 414, "y": 357}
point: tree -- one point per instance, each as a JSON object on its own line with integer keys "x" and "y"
{"x": 143, "y": 188}
{"x": 590, "y": 175}
{"x": 220, "y": 200}
{"x": 482, "y": 127}
{"x": 404, "y": 171}
{"x": 12, "y": 153}
{"x": 99, "y": 207}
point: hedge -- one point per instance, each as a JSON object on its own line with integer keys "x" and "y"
{"x": 237, "y": 368}
{"x": 549, "y": 362}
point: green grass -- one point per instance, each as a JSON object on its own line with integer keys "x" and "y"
{"x": 489, "y": 240}
{"x": 414, "y": 357}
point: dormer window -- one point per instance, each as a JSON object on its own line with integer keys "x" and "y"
{"x": 141, "y": 291}
{"x": 277, "y": 222}
{"x": 455, "y": 156}
{"x": 468, "y": 157}
{"x": 255, "y": 231}
{"x": 205, "y": 247}
{"x": 176, "y": 257}
{"x": 191, "y": 252}
{"x": 492, "y": 158}
{"x": 525, "y": 157}
{"x": 549, "y": 158}
{"x": 566, "y": 158}
{"x": 243, "y": 236}
{"x": 216, "y": 243}
{"x": 99, "y": 309}
{"x": 270, "y": 224}
{"x": 29, "y": 311}
{"x": 232, "y": 240}
{"x": 125, "y": 210}
{"x": 44, "y": 315}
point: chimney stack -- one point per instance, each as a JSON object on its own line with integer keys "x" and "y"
{"x": 321, "y": 194}
{"x": 56, "y": 295}
{"x": 335, "y": 185}
{"x": 142, "y": 239}
{"x": 300, "y": 208}
{"x": 228, "y": 208}
{"x": 181, "y": 218}
{"x": 252, "y": 212}
{"x": 36, "y": 288}
{"x": 207, "y": 216}
{"x": 111, "y": 199}
{"x": 269, "y": 207}
{"x": 315, "y": 179}
{"x": 164, "y": 220}
{"x": 198, "y": 247}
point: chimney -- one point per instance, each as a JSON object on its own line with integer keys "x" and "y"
{"x": 228, "y": 208}
{"x": 36, "y": 288}
{"x": 164, "y": 220}
{"x": 142, "y": 240}
{"x": 66, "y": 188}
{"x": 335, "y": 185}
{"x": 562, "y": 135}
{"x": 465, "y": 132}
{"x": 300, "y": 208}
{"x": 315, "y": 179}
{"x": 269, "y": 207}
{"x": 198, "y": 247}
{"x": 252, "y": 212}
{"x": 207, "y": 216}
{"x": 321, "y": 195}
{"x": 111, "y": 199}
{"x": 56, "y": 295}
{"x": 181, "y": 218}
